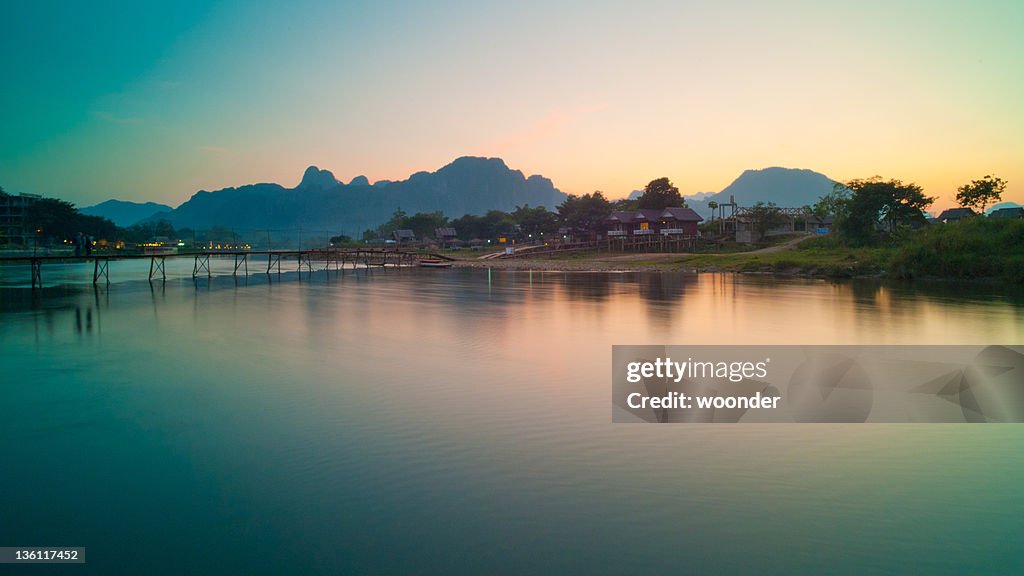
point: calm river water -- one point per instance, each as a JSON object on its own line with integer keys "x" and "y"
{"x": 459, "y": 421}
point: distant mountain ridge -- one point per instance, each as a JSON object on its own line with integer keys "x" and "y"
{"x": 123, "y": 212}
{"x": 468, "y": 185}
{"x": 1000, "y": 205}
{"x": 786, "y": 187}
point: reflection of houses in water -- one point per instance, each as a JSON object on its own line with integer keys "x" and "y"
{"x": 587, "y": 286}
{"x": 655, "y": 287}
{"x": 666, "y": 286}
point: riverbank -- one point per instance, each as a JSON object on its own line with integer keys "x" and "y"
{"x": 834, "y": 267}
{"x": 976, "y": 250}
{"x": 788, "y": 258}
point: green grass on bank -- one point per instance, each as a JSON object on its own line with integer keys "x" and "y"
{"x": 814, "y": 256}
{"x": 731, "y": 247}
{"x": 979, "y": 248}
{"x": 975, "y": 249}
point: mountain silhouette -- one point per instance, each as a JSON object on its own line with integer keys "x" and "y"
{"x": 317, "y": 179}
{"x": 469, "y": 185}
{"x": 125, "y": 213}
{"x": 786, "y": 187}
{"x": 1000, "y": 205}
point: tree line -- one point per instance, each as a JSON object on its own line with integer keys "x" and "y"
{"x": 873, "y": 210}
{"x": 53, "y": 221}
{"x": 864, "y": 211}
{"x": 56, "y": 220}
{"x": 577, "y": 214}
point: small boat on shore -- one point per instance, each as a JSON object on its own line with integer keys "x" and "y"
{"x": 433, "y": 263}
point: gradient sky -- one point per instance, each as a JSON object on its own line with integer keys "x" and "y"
{"x": 155, "y": 100}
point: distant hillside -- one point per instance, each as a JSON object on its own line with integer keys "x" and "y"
{"x": 469, "y": 185}
{"x": 786, "y": 187}
{"x": 1000, "y": 205}
{"x": 124, "y": 213}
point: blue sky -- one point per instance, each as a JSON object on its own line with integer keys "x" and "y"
{"x": 153, "y": 101}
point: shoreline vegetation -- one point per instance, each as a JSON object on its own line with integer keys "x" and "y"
{"x": 977, "y": 249}
{"x": 872, "y": 228}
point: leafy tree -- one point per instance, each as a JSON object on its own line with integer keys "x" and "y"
{"x": 980, "y": 193}
{"x": 3, "y": 193}
{"x": 626, "y": 204}
{"x": 764, "y": 217}
{"x": 423, "y": 224}
{"x": 586, "y": 213}
{"x": 489, "y": 226}
{"x": 497, "y": 223}
{"x": 535, "y": 221}
{"x": 138, "y": 233}
{"x": 396, "y": 222}
{"x": 163, "y": 227}
{"x": 340, "y": 239}
{"x": 98, "y": 227}
{"x": 468, "y": 227}
{"x": 876, "y": 207}
{"x": 835, "y": 204}
{"x": 187, "y": 234}
{"x": 56, "y": 220}
{"x": 53, "y": 219}
{"x": 713, "y": 206}
{"x": 660, "y": 194}
{"x": 216, "y": 234}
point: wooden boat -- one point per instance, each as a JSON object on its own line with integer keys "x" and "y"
{"x": 434, "y": 263}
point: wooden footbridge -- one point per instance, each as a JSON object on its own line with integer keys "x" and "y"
{"x": 276, "y": 259}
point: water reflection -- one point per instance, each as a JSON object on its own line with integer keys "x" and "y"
{"x": 664, "y": 287}
{"x": 356, "y": 408}
{"x": 673, "y": 307}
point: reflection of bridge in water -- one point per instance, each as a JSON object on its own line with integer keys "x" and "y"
{"x": 339, "y": 258}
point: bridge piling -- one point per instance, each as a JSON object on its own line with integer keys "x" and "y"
{"x": 156, "y": 263}
{"x": 243, "y": 262}
{"x": 202, "y": 262}
{"x": 37, "y": 273}
{"x": 101, "y": 267}
{"x": 368, "y": 257}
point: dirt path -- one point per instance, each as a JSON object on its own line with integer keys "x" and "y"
{"x": 788, "y": 245}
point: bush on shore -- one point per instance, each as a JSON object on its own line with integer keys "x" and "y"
{"x": 971, "y": 249}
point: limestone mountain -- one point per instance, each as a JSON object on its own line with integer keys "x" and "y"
{"x": 469, "y": 185}
{"x": 786, "y": 187}
{"x": 125, "y": 213}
